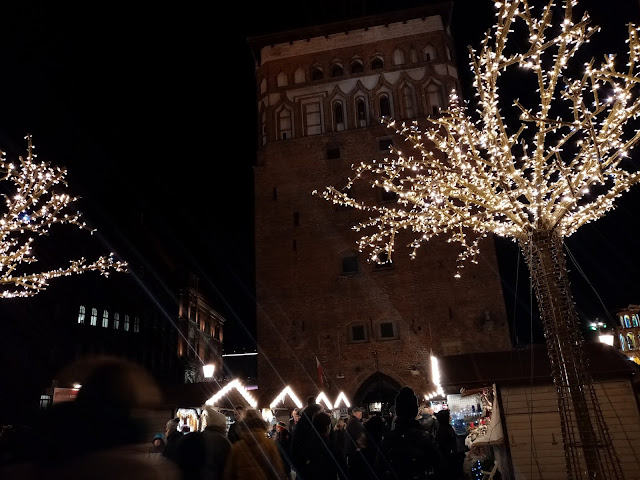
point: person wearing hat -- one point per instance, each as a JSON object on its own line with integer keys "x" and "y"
{"x": 283, "y": 441}
{"x": 408, "y": 451}
{"x": 157, "y": 446}
{"x": 172, "y": 437}
{"x": 217, "y": 445}
{"x": 355, "y": 443}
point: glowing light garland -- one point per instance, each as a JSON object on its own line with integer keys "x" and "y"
{"x": 323, "y": 398}
{"x": 341, "y": 398}
{"x": 227, "y": 388}
{"x": 34, "y": 202}
{"x": 286, "y": 391}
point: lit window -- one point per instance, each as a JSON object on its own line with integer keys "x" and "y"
{"x": 136, "y": 324}
{"x": 623, "y": 343}
{"x": 627, "y": 323}
{"x": 631, "y": 341}
{"x": 105, "y": 319}
{"x": 81, "y": 314}
{"x": 634, "y": 320}
{"x": 398, "y": 57}
{"x": 116, "y": 321}
{"x": 126, "y": 323}
{"x": 94, "y": 317}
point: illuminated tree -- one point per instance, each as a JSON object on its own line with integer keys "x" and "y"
{"x": 35, "y": 200}
{"x": 561, "y": 165}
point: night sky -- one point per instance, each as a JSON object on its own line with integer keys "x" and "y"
{"x": 151, "y": 108}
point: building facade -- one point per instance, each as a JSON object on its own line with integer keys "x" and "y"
{"x": 327, "y": 318}
{"x": 627, "y": 332}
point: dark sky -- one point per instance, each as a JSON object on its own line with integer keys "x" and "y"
{"x": 151, "y": 108}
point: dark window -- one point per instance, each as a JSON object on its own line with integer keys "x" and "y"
{"x": 357, "y": 67}
{"x": 358, "y": 333}
{"x": 333, "y": 153}
{"x": 316, "y": 74}
{"x": 386, "y": 330}
{"x": 377, "y": 63}
{"x": 382, "y": 261}
{"x": 336, "y": 70}
{"x": 349, "y": 264}
{"x": 385, "y": 144}
{"x": 385, "y": 107}
{"x": 388, "y": 196}
{"x": 296, "y": 219}
{"x": 338, "y": 114}
{"x": 362, "y": 113}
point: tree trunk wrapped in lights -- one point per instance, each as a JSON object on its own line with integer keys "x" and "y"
{"x": 34, "y": 202}
{"x": 562, "y": 166}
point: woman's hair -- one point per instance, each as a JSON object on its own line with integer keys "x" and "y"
{"x": 253, "y": 420}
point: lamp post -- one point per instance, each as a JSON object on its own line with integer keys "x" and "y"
{"x": 208, "y": 370}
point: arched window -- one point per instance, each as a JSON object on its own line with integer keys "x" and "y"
{"x": 357, "y": 66}
{"x": 285, "y": 124}
{"x": 116, "y": 321}
{"x": 627, "y": 323}
{"x": 385, "y": 106}
{"x": 263, "y": 128}
{"x": 631, "y": 341}
{"x": 94, "y": 317}
{"x": 337, "y": 70}
{"x": 621, "y": 318}
{"x": 408, "y": 102}
{"x": 282, "y": 79}
{"x": 623, "y": 343}
{"x": 81, "y": 314}
{"x": 338, "y": 116}
{"x": 398, "y": 57}
{"x": 634, "y": 320}
{"x": 434, "y": 98}
{"x": 136, "y": 324}
{"x": 105, "y": 319}
{"x": 361, "y": 112}
{"x": 377, "y": 63}
{"x": 429, "y": 53}
{"x": 316, "y": 74}
{"x": 298, "y": 77}
{"x": 126, "y": 323}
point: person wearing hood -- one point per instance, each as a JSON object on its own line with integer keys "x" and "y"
{"x": 217, "y": 445}
{"x": 254, "y": 456}
{"x": 408, "y": 451}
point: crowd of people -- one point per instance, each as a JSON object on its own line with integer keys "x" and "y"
{"x": 101, "y": 436}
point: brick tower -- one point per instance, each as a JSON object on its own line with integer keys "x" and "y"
{"x": 321, "y": 92}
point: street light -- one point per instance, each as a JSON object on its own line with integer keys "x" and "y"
{"x": 208, "y": 370}
{"x": 605, "y": 338}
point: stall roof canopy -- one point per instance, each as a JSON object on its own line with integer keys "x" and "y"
{"x": 531, "y": 364}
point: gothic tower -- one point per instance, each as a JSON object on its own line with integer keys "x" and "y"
{"x": 321, "y": 304}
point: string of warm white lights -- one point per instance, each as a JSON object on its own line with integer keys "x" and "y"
{"x": 471, "y": 177}
{"x": 35, "y": 201}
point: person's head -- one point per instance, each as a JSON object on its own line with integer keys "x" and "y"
{"x": 311, "y": 400}
{"x": 213, "y": 419}
{"x": 239, "y": 412}
{"x": 172, "y": 426}
{"x": 357, "y": 412}
{"x": 280, "y": 426}
{"x": 406, "y": 403}
{"x": 295, "y": 414}
{"x": 253, "y": 421}
{"x": 158, "y": 440}
{"x": 443, "y": 416}
{"x": 426, "y": 409}
{"x": 322, "y": 423}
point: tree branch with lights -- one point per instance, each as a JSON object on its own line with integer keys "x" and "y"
{"x": 561, "y": 164}
{"x": 35, "y": 201}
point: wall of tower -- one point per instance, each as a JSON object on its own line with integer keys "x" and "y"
{"x": 307, "y": 306}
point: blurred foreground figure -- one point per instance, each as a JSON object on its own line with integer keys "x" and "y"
{"x": 102, "y": 434}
